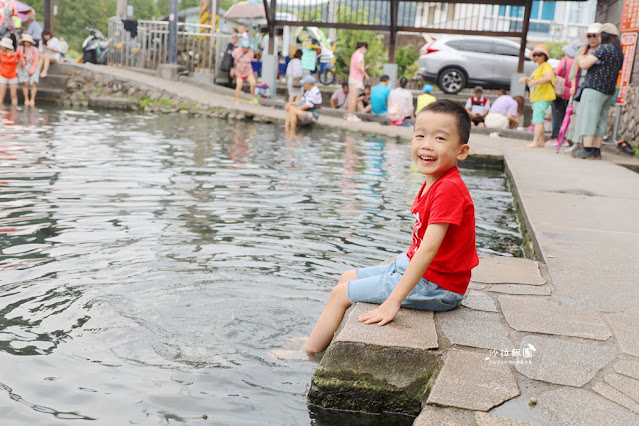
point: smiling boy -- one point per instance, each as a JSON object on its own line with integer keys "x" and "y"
{"x": 435, "y": 271}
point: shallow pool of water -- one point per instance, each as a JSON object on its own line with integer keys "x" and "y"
{"x": 149, "y": 263}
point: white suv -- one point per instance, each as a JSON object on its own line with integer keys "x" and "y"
{"x": 456, "y": 62}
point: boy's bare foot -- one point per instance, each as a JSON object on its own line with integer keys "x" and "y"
{"x": 43, "y": 74}
{"x": 534, "y": 145}
{"x": 293, "y": 354}
{"x": 237, "y": 102}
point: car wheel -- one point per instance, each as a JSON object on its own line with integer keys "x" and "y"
{"x": 451, "y": 80}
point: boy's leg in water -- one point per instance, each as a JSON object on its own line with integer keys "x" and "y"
{"x": 332, "y": 316}
{"x": 3, "y": 92}
{"x": 327, "y": 323}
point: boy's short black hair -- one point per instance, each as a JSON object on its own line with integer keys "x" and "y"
{"x": 361, "y": 44}
{"x": 446, "y": 106}
{"x": 384, "y": 78}
{"x": 344, "y": 84}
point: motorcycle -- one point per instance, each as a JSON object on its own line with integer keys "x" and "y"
{"x": 95, "y": 48}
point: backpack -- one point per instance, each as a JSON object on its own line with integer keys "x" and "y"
{"x": 227, "y": 62}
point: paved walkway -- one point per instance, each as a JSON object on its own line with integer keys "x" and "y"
{"x": 551, "y": 342}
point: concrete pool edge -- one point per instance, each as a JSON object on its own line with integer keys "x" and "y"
{"x": 584, "y": 285}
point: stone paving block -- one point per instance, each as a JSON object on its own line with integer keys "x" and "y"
{"x": 479, "y": 301}
{"x": 474, "y": 328}
{"x": 433, "y": 417}
{"x": 476, "y": 286}
{"x": 534, "y": 314}
{"x": 629, "y": 367}
{"x": 507, "y": 270}
{"x": 562, "y": 361}
{"x": 576, "y": 406}
{"x": 626, "y": 385}
{"x": 614, "y": 395}
{"x": 520, "y": 289}
{"x": 468, "y": 381}
{"x": 487, "y": 419}
{"x": 410, "y": 328}
{"x": 626, "y": 329}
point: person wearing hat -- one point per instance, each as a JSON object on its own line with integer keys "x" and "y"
{"x": 243, "y": 70}
{"x": 425, "y": 98}
{"x": 478, "y": 107}
{"x": 598, "y": 91}
{"x": 28, "y": 74}
{"x": 542, "y": 92}
{"x": 8, "y": 75}
{"x": 591, "y": 39}
{"x": 307, "y": 108}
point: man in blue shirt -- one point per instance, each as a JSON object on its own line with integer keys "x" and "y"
{"x": 379, "y": 96}
{"x": 34, "y": 28}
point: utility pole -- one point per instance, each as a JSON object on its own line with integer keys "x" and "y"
{"x": 173, "y": 16}
{"x": 332, "y": 18}
{"x": 48, "y": 15}
{"x": 121, "y": 9}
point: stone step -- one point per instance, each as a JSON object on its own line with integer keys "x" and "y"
{"x": 53, "y": 81}
{"x": 378, "y": 369}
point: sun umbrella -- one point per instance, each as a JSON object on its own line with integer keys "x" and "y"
{"x": 246, "y": 9}
{"x": 22, "y": 8}
{"x": 564, "y": 126}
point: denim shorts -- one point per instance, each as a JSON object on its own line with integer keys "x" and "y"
{"x": 375, "y": 284}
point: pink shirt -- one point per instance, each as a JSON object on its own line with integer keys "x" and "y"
{"x": 357, "y": 63}
{"x": 243, "y": 67}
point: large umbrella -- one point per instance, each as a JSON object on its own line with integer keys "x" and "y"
{"x": 246, "y": 9}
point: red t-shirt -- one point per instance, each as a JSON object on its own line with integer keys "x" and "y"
{"x": 447, "y": 201}
{"x": 8, "y": 65}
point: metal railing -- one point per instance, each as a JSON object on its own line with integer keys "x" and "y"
{"x": 196, "y": 45}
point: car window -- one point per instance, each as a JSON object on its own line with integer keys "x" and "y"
{"x": 505, "y": 49}
{"x": 470, "y": 46}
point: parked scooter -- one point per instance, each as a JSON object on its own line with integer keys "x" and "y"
{"x": 95, "y": 48}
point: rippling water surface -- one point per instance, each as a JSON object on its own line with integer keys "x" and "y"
{"x": 148, "y": 264}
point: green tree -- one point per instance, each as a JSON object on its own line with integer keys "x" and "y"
{"x": 406, "y": 59}
{"x": 347, "y": 41}
{"x": 144, "y": 9}
{"x": 346, "y": 44}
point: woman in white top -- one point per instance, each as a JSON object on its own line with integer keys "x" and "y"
{"x": 293, "y": 71}
{"x": 50, "y": 48}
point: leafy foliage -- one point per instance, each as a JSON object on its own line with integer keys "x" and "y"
{"x": 554, "y": 48}
{"x": 348, "y": 39}
{"x": 406, "y": 59}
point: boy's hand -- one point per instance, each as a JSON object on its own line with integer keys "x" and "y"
{"x": 382, "y": 315}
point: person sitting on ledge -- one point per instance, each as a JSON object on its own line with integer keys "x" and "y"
{"x": 339, "y": 98}
{"x": 305, "y": 109}
{"x": 434, "y": 273}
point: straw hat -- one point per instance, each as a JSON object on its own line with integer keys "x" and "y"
{"x": 27, "y": 38}
{"x": 609, "y": 29}
{"x": 541, "y": 48}
{"x": 6, "y": 42}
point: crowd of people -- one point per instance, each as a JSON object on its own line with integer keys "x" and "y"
{"x": 27, "y": 53}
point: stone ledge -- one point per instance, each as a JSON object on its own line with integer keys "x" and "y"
{"x": 375, "y": 379}
{"x": 378, "y": 369}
